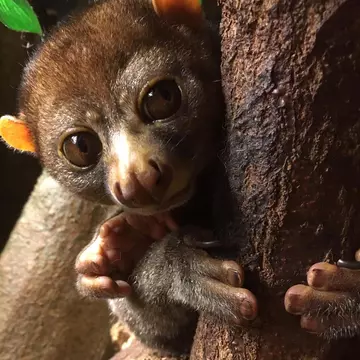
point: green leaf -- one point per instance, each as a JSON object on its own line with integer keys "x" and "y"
{"x": 18, "y": 15}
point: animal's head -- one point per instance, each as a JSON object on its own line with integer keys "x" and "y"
{"x": 122, "y": 103}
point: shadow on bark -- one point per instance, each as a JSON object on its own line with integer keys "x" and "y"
{"x": 291, "y": 82}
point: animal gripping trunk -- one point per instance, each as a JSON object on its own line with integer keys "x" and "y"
{"x": 291, "y": 78}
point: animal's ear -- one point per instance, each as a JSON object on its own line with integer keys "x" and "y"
{"x": 16, "y": 134}
{"x": 181, "y": 11}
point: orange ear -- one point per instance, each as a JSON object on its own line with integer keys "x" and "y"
{"x": 181, "y": 11}
{"x": 16, "y": 134}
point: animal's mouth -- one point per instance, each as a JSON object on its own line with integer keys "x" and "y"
{"x": 181, "y": 197}
{"x": 178, "y": 199}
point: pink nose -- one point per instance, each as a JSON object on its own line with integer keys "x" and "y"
{"x": 143, "y": 188}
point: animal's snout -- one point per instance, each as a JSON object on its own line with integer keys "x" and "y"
{"x": 143, "y": 185}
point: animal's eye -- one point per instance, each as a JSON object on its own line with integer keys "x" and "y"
{"x": 82, "y": 149}
{"x": 161, "y": 100}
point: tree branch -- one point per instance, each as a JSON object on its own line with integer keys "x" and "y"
{"x": 41, "y": 314}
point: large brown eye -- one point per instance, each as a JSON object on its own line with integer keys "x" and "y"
{"x": 82, "y": 149}
{"x": 161, "y": 101}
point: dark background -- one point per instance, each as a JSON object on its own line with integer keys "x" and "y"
{"x": 19, "y": 171}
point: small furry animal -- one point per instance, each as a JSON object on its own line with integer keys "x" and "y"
{"x": 122, "y": 104}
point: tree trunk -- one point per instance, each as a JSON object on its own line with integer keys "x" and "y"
{"x": 41, "y": 314}
{"x": 291, "y": 78}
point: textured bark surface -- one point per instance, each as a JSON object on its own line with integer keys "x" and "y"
{"x": 130, "y": 348}
{"x": 41, "y": 314}
{"x": 291, "y": 77}
{"x": 137, "y": 351}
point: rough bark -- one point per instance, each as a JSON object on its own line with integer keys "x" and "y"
{"x": 137, "y": 351}
{"x": 132, "y": 349}
{"x": 291, "y": 77}
{"x": 41, "y": 314}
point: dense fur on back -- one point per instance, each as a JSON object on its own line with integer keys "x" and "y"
{"x": 100, "y": 60}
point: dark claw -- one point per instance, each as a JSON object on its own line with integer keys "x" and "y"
{"x": 207, "y": 244}
{"x": 352, "y": 265}
{"x": 201, "y": 239}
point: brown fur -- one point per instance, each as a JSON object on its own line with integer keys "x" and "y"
{"x": 99, "y": 61}
{"x": 89, "y": 72}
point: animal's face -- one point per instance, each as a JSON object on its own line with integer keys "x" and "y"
{"x": 125, "y": 107}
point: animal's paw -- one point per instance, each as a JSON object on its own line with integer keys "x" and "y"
{"x": 209, "y": 285}
{"x": 220, "y": 282}
{"x": 106, "y": 263}
{"x": 330, "y": 304}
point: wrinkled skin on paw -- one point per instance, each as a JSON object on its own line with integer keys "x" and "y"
{"x": 329, "y": 305}
{"x": 106, "y": 263}
{"x": 206, "y": 284}
{"x": 209, "y": 285}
